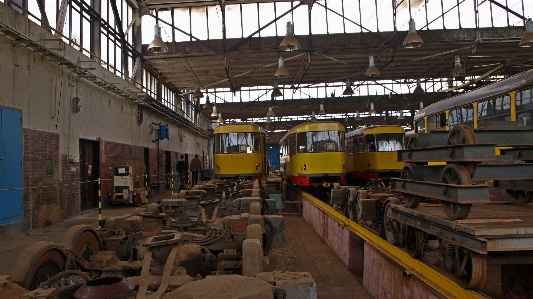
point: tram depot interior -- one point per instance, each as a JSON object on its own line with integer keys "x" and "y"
{"x": 89, "y": 86}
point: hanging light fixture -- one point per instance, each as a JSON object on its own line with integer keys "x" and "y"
{"x": 418, "y": 89}
{"x": 421, "y": 105}
{"x": 207, "y": 104}
{"x": 270, "y": 112}
{"x": 346, "y": 118}
{"x": 220, "y": 119}
{"x": 197, "y": 92}
{"x": 527, "y": 39}
{"x": 357, "y": 115}
{"x": 372, "y": 69}
{"x": 412, "y": 40}
{"x": 401, "y": 115}
{"x": 276, "y": 92}
{"x": 457, "y": 67}
{"x": 157, "y": 46}
{"x": 289, "y": 43}
{"x": 348, "y": 90}
{"x": 321, "y": 111}
{"x": 372, "y": 111}
{"x": 313, "y": 117}
{"x": 269, "y": 120}
{"x": 215, "y": 113}
{"x": 281, "y": 72}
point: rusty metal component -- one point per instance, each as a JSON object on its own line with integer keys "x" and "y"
{"x": 82, "y": 240}
{"x": 229, "y": 262}
{"x": 151, "y": 224}
{"x": 37, "y": 263}
{"x": 62, "y": 275}
{"x": 9, "y": 289}
{"x": 103, "y": 288}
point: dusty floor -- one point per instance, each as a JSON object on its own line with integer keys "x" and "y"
{"x": 304, "y": 251}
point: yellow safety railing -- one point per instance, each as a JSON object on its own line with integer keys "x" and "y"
{"x": 429, "y": 276}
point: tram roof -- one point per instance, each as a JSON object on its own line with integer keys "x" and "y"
{"x": 376, "y": 129}
{"x": 314, "y": 126}
{"x": 238, "y": 128}
{"x": 516, "y": 82}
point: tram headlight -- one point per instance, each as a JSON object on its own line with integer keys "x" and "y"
{"x": 256, "y": 166}
{"x": 305, "y": 167}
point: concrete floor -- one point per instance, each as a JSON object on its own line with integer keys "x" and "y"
{"x": 304, "y": 251}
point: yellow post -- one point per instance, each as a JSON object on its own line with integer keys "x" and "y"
{"x": 512, "y": 94}
{"x": 100, "y": 224}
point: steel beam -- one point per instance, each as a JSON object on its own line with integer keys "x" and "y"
{"x": 451, "y": 153}
{"x": 463, "y": 194}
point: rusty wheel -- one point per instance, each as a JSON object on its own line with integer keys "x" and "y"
{"x": 361, "y": 194}
{"x": 352, "y": 197}
{"x": 413, "y": 240}
{"x": 410, "y": 200}
{"x": 520, "y": 197}
{"x": 463, "y": 134}
{"x": 412, "y": 143}
{"x": 82, "y": 240}
{"x": 37, "y": 263}
{"x": 472, "y": 269}
{"x": 391, "y": 226}
{"x": 455, "y": 174}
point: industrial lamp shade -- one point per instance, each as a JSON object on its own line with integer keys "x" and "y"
{"x": 157, "y": 46}
{"x": 348, "y": 91}
{"x": 357, "y": 115}
{"x": 215, "y": 113}
{"x": 276, "y": 92}
{"x": 372, "y": 111}
{"x": 457, "y": 68}
{"x": 372, "y": 69}
{"x": 269, "y": 120}
{"x": 289, "y": 43}
{"x": 313, "y": 117}
{"x": 207, "y": 104}
{"x": 322, "y": 111}
{"x": 412, "y": 40}
{"x": 401, "y": 115}
{"x": 418, "y": 89}
{"x": 281, "y": 72}
{"x": 197, "y": 92}
{"x": 220, "y": 119}
{"x": 270, "y": 112}
{"x": 527, "y": 39}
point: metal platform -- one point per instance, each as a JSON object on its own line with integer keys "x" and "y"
{"x": 489, "y": 227}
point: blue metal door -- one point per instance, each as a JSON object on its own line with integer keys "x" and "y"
{"x": 10, "y": 165}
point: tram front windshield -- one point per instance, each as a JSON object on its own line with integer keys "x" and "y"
{"x": 234, "y": 143}
{"x": 383, "y": 142}
{"x": 317, "y": 142}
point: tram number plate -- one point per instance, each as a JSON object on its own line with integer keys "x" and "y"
{"x": 238, "y": 227}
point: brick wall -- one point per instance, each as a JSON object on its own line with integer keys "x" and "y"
{"x": 119, "y": 154}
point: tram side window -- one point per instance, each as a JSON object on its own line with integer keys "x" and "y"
{"x": 370, "y": 143}
{"x": 349, "y": 145}
{"x": 524, "y": 107}
{"x": 303, "y": 143}
{"x": 497, "y": 109}
{"x": 420, "y": 126}
{"x": 462, "y": 115}
{"x": 359, "y": 147}
{"x": 292, "y": 144}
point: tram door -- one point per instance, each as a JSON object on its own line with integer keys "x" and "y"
{"x": 89, "y": 173}
{"x": 10, "y": 165}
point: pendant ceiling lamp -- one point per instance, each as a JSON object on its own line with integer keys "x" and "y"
{"x": 289, "y": 43}
{"x": 281, "y": 72}
{"x": 269, "y": 120}
{"x": 220, "y": 119}
{"x": 401, "y": 115}
{"x": 412, "y": 40}
{"x": 197, "y": 92}
{"x": 457, "y": 68}
{"x": 322, "y": 111}
{"x": 348, "y": 91}
{"x": 372, "y": 111}
{"x": 157, "y": 46}
{"x": 270, "y": 112}
{"x": 207, "y": 104}
{"x": 418, "y": 89}
{"x": 372, "y": 70}
{"x": 357, "y": 115}
{"x": 214, "y": 115}
{"x": 313, "y": 117}
{"x": 275, "y": 91}
{"x": 527, "y": 39}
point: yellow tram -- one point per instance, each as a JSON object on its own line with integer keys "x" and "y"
{"x": 371, "y": 152}
{"x": 240, "y": 151}
{"x": 312, "y": 153}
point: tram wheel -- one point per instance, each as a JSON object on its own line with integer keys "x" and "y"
{"x": 455, "y": 174}
{"x": 412, "y": 143}
{"x": 415, "y": 241}
{"x": 391, "y": 226}
{"x": 362, "y": 194}
{"x": 37, "y": 263}
{"x": 473, "y": 269}
{"x": 410, "y": 200}
{"x": 82, "y": 240}
{"x": 463, "y": 134}
{"x": 520, "y": 197}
